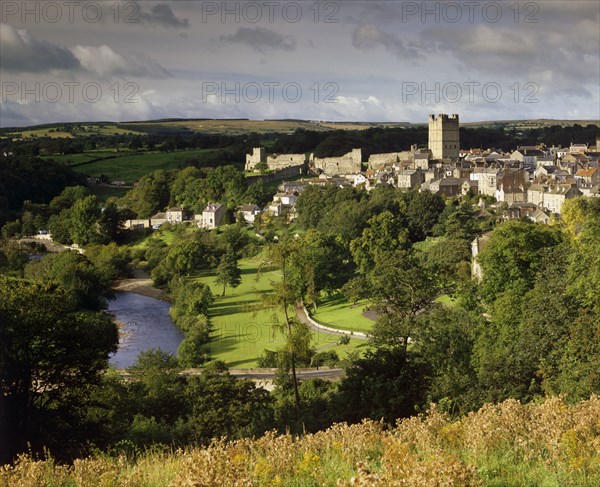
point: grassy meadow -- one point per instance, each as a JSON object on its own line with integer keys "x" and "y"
{"x": 550, "y": 443}
{"x": 128, "y": 166}
{"x": 243, "y": 328}
{"x": 337, "y": 312}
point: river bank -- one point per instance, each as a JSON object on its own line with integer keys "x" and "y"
{"x": 144, "y": 323}
{"x": 141, "y": 284}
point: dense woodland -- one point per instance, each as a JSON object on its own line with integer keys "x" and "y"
{"x": 529, "y": 329}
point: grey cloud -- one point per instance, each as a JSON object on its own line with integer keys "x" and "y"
{"x": 566, "y": 59}
{"x": 21, "y": 52}
{"x": 370, "y": 37}
{"x": 104, "y": 61}
{"x": 261, "y": 39}
{"x": 162, "y": 14}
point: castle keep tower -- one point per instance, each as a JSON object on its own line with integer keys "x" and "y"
{"x": 444, "y": 141}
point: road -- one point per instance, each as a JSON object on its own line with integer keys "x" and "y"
{"x": 325, "y": 373}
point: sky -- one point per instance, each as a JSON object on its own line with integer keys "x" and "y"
{"x": 375, "y": 61}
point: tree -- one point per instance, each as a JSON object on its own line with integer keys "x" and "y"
{"x": 321, "y": 263}
{"x": 192, "y": 351}
{"x": 445, "y": 339}
{"x": 49, "y": 353}
{"x": 221, "y": 405}
{"x": 385, "y": 233}
{"x": 356, "y": 289}
{"x": 83, "y": 220}
{"x": 228, "y": 272}
{"x": 191, "y": 302}
{"x": 400, "y": 290}
{"x": 422, "y": 211}
{"x": 150, "y": 194}
{"x": 448, "y": 261}
{"x": 512, "y": 256}
{"x": 76, "y": 275}
{"x": 384, "y": 384}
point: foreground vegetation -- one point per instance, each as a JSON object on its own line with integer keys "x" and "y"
{"x": 508, "y": 444}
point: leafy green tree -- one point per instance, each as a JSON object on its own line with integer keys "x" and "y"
{"x": 150, "y": 194}
{"x": 192, "y": 351}
{"x": 400, "y": 290}
{"x": 191, "y": 299}
{"x": 158, "y": 390}
{"x": 111, "y": 261}
{"x": 60, "y": 227}
{"x": 356, "y": 289}
{"x": 321, "y": 263}
{"x": 221, "y": 405}
{"x": 83, "y": 221}
{"x": 49, "y": 353}
{"x": 422, "y": 211}
{"x": 445, "y": 339}
{"x": 76, "y": 275}
{"x": 67, "y": 198}
{"x": 186, "y": 189}
{"x": 448, "y": 261}
{"x": 385, "y": 233}
{"x": 187, "y": 254}
{"x": 110, "y": 223}
{"x": 385, "y": 384}
{"x": 512, "y": 256}
{"x": 228, "y": 272}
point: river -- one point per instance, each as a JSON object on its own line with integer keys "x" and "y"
{"x": 147, "y": 324}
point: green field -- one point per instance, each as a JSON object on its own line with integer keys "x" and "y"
{"x": 78, "y": 130}
{"x": 131, "y": 167}
{"x": 105, "y": 192}
{"x": 241, "y": 332}
{"x": 335, "y": 311}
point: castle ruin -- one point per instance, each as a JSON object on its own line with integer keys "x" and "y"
{"x": 349, "y": 163}
{"x": 274, "y": 162}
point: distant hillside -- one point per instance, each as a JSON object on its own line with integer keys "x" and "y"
{"x": 245, "y": 126}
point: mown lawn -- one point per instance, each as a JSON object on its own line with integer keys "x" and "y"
{"x": 242, "y": 330}
{"x": 337, "y": 312}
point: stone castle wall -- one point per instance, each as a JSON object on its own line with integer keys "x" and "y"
{"x": 349, "y": 163}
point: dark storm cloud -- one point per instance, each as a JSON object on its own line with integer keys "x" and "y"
{"x": 370, "y": 37}
{"x": 21, "y": 52}
{"x": 261, "y": 39}
{"x": 162, "y": 14}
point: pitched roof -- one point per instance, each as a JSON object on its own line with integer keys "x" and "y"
{"x": 212, "y": 207}
{"x": 586, "y": 172}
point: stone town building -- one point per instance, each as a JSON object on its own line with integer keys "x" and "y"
{"x": 249, "y": 212}
{"x": 552, "y": 197}
{"x": 444, "y": 138}
{"x": 445, "y": 186}
{"x": 410, "y": 178}
{"x": 212, "y": 216}
{"x": 588, "y": 177}
{"x": 176, "y": 215}
{"x": 349, "y": 163}
{"x": 487, "y": 180}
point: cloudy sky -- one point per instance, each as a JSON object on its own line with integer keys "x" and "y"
{"x": 340, "y": 60}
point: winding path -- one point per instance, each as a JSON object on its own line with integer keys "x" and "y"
{"x": 305, "y": 318}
